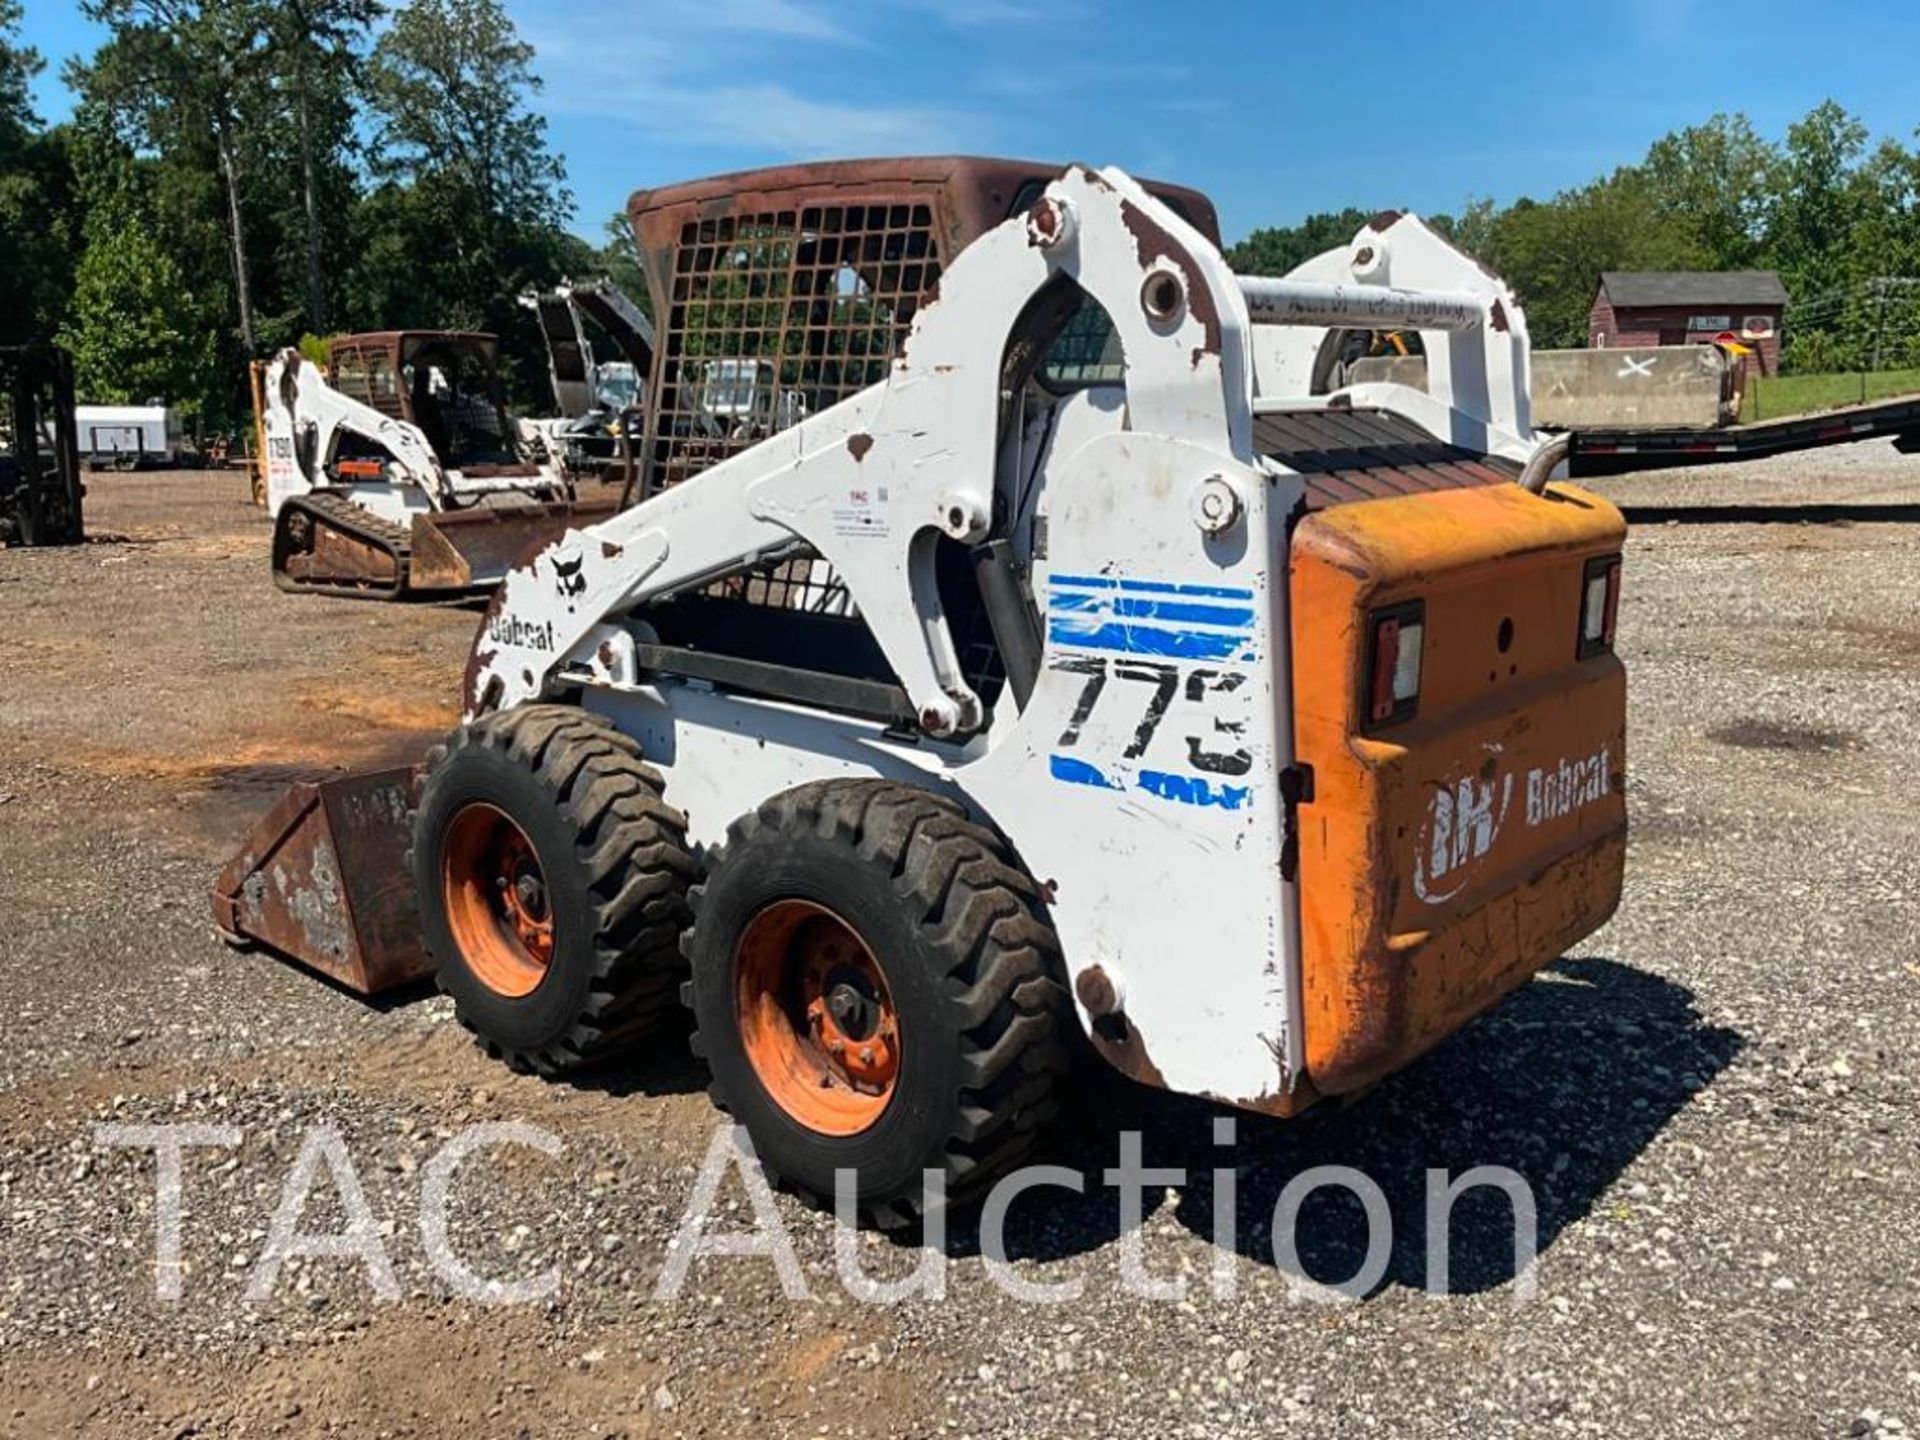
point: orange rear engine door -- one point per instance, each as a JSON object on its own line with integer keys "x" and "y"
{"x": 1453, "y": 845}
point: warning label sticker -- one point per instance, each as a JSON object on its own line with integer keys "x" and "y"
{"x": 863, "y": 512}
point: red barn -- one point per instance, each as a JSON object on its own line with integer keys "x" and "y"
{"x": 1691, "y": 307}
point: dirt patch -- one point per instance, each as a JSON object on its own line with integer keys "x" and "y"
{"x": 1898, "y": 645}
{"x": 432, "y": 707}
{"x": 1800, "y": 740}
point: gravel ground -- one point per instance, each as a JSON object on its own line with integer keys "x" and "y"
{"x": 1711, "y": 1099}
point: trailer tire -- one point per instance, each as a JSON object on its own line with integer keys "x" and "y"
{"x": 947, "y": 984}
{"x": 552, "y": 881}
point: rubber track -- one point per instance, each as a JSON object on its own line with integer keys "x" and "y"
{"x": 633, "y": 848}
{"x": 342, "y": 514}
{"x": 1007, "y": 973}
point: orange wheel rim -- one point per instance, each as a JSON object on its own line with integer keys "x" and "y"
{"x": 497, "y": 902}
{"x": 816, "y": 1018}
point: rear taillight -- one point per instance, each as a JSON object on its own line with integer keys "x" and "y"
{"x": 1599, "y": 605}
{"x": 1393, "y": 693}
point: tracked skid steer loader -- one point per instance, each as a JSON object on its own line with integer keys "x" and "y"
{"x": 1008, "y": 650}
{"x": 398, "y": 471}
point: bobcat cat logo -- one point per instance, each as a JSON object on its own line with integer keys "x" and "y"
{"x": 571, "y": 582}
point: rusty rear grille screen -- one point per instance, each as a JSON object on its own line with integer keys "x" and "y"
{"x": 780, "y": 315}
{"x": 775, "y": 316}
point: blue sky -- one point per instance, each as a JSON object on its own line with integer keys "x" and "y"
{"x": 1275, "y": 109}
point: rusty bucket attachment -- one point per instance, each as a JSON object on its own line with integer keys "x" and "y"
{"x": 465, "y": 549}
{"x": 323, "y": 879}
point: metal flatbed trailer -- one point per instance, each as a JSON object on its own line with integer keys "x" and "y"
{"x": 1616, "y": 452}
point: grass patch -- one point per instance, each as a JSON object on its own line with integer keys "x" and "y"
{"x": 1778, "y": 396}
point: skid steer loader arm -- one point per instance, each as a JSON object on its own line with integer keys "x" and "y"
{"x": 305, "y": 420}
{"x": 921, "y": 447}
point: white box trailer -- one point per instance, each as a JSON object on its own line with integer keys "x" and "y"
{"x": 129, "y": 436}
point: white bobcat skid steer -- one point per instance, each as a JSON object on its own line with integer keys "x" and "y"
{"x": 400, "y": 471}
{"x": 1048, "y": 674}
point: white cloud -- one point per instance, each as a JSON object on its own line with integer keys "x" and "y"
{"x": 789, "y": 18}
{"x": 771, "y": 117}
{"x": 730, "y": 73}
{"x": 976, "y": 14}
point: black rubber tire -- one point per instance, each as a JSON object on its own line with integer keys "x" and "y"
{"x": 617, "y": 868}
{"x": 971, "y": 960}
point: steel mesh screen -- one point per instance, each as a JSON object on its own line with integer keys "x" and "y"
{"x": 774, "y": 316}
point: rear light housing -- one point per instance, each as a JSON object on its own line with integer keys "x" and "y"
{"x": 1599, "y": 605}
{"x": 1396, "y": 637}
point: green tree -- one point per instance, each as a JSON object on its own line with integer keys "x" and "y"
{"x": 1718, "y": 182}
{"x": 1821, "y": 196}
{"x": 315, "y": 49}
{"x": 469, "y": 204}
{"x": 18, "y": 65}
{"x": 131, "y": 328}
{"x": 1474, "y": 229}
{"x": 178, "y": 77}
{"x": 1552, "y": 254}
{"x": 451, "y": 82}
{"x": 619, "y": 261}
{"x": 1278, "y": 250}
{"x": 1842, "y": 220}
{"x": 35, "y": 204}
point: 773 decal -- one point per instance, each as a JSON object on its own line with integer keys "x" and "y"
{"x": 1149, "y": 689}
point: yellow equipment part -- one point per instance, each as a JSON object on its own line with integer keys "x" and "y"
{"x": 1448, "y": 854}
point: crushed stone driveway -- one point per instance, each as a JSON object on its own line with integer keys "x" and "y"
{"x": 1712, "y": 1100}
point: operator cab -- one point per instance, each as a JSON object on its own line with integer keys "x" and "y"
{"x": 447, "y": 383}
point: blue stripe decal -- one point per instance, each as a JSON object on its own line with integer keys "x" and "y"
{"x": 1194, "y": 790}
{"x": 1184, "y": 614}
{"x": 1072, "y": 602}
{"x": 1214, "y": 592}
{"x": 1148, "y": 640}
{"x": 1079, "y": 772}
{"x": 1149, "y": 587}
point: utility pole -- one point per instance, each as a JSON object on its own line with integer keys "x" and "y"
{"x": 1880, "y": 320}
